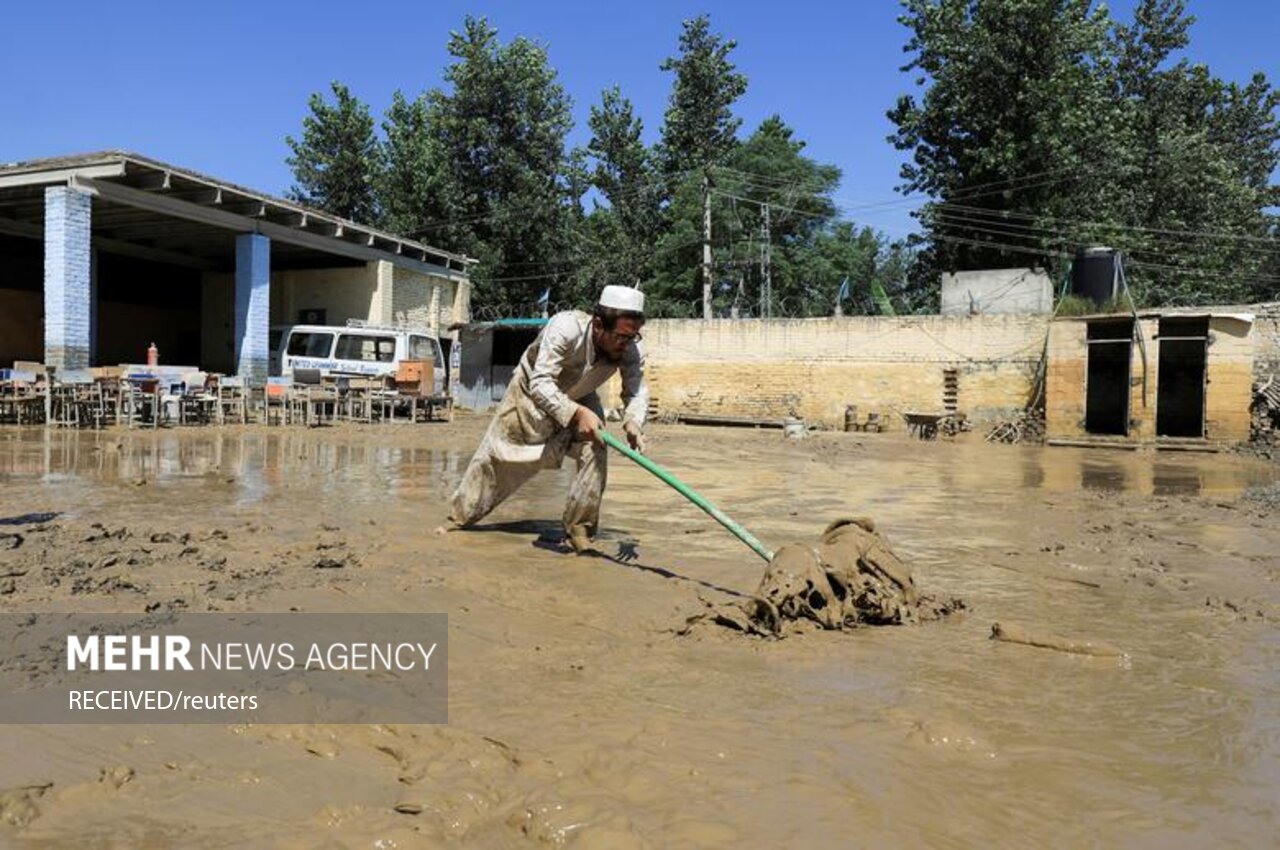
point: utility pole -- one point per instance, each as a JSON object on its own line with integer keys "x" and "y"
{"x": 706, "y": 244}
{"x": 766, "y": 271}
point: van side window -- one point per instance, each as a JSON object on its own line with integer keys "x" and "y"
{"x": 309, "y": 344}
{"x": 380, "y": 349}
{"x": 420, "y": 348}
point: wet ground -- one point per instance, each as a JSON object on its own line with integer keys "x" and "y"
{"x": 579, "y": 718}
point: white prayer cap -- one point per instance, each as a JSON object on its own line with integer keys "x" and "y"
{"x": 622, "y": 298}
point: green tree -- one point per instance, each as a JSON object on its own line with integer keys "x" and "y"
{"x": 1044, "y": 126}
{"x": 770, "y": 168}
{"x": 411, "y": 186}
{"x": 336, "y": 160}
{"x": 699, "y": 128}
{"x": 1201, "y": 152}
{"x": 1016, "y": 120}
{"x": 619, "y": 237}
{"x": 500, "y": 136}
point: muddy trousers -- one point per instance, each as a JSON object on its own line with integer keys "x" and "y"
{"x": 488, "y": 481}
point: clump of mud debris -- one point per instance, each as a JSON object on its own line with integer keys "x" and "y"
{"x": 850, "y": 578}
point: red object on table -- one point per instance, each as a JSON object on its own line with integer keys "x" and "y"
{"x": 153, "y": 355}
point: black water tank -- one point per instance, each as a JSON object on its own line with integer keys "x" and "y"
{"x": 1093, "y": 274}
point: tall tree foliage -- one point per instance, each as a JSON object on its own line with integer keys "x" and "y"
{"x": 499, "y": 131}
{"x": 699, "y": 127}
{"x": 1045, "y": 126}
{"x": 411, "y": 185}
{"x": 619, "y": 236}
{"x": 336, "y": 160}
{"x": 699, "y": 130}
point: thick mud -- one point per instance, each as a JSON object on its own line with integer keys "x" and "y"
{"x": 579, "y": 718}
{"x": 849, "y": 578}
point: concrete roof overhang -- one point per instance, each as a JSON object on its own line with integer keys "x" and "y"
{"x": 151, "y": 210}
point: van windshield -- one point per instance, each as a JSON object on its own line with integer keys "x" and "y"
{"x": 422, "y": 348}
{"x": 309, "y": 344}
{"x": 379, "y": 349}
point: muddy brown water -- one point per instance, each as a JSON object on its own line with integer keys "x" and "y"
{"x": 578, "y": 718}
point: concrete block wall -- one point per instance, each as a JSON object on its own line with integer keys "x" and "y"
{"x": 423, "y": 300}
{"x": 67, "y": 277}
{"x": 813, "y": 368}
{"x": 354, "y": 292}
{"x": 1230, "y": 369}
{"x": 1067, "y": 368}
{"x": 1229, "y": 384}
{"x": 996, "y": 291}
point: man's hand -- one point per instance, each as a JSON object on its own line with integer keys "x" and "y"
{"x": 635, "y": 437}
{"x": 586, "y": 425}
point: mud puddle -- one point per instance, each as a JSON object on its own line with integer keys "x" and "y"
{"x": 577, "y": 718}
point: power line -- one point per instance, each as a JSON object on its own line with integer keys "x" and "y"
{"x": 1063, "y": 238}
{"x": 1270, "y": 243}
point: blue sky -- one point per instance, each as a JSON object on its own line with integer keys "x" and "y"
{"x": 217, "y": 86}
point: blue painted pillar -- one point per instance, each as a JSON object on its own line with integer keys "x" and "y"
{"x": 68, "y": 296}
{"x": 252, "y": 304}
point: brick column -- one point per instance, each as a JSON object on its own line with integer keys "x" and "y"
{"x": 67, "y": 275}
{"x": 252, "y": 306}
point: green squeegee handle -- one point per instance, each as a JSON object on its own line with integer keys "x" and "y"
{"x": 689, "y": 493}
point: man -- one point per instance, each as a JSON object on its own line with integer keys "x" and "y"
{"x": 551, "y": 409}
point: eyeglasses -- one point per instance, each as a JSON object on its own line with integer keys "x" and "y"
{"x": 627, "y": 338}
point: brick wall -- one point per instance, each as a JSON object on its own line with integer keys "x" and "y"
{"x": 813, "y": 368}
{"x": 1229, "y": 387}
{"x": 423, "y": 300}
{"x": 1230, "y": 369}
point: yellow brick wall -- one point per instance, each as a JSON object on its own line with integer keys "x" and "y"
{"x": 1228, "y": 391}
{"x": 813, "y": 368}
{"x": 1065, "y": 375}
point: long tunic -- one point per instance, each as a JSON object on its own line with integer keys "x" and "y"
{"x": 557, "y": 372}
{"x": 530, "y": 430}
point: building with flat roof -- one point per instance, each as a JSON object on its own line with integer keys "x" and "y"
{"x": 103, "y": 254}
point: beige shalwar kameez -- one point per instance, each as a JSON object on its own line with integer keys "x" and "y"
{"x": 530, "y": 430}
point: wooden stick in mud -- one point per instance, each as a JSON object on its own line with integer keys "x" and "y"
{"x": 1018, "y": 634}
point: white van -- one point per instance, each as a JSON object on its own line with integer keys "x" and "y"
{"x": 354, "y": 350}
